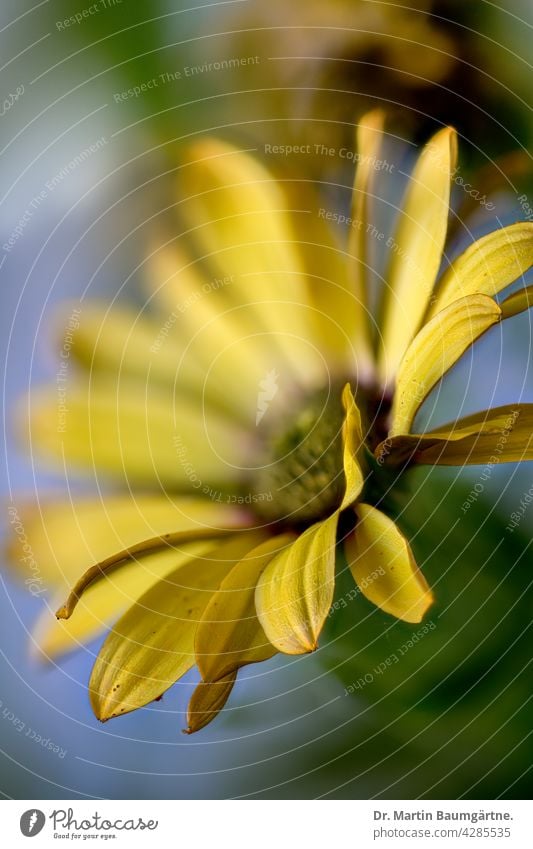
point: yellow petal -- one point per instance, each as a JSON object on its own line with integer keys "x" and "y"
{"x": 58, "y": 540}
{"x": 501, "y": 435}
{"x": 120, "y": 340}
{"x": 182, "y": 288}
{"x": 518, "y": 302}
{"x": 207, "y": 701}
{"x": 295, "y": 592}
{"x": 352, "y": 437}
{"x": 152, "y": 645}
{"x": 339, "y": 313}
{"x": 197, "y": 301}
{"x": 98, "y": 571}
{"x": 351, "y": 302}
{"x": 230, "y": 634}
{"x": 135, "y": 431}
{"x": 239, "y": 216}
{"x": 383, "y": 566}
{"x": 369, "y": 137}
{"x": 487, "y": 266}
{"x": 337, "y": 282}
{"x": 416, "y": 252}
{"x": 105, "y": 601}
{"x": 435, "y": 350}
{"x": 215, "y": 333}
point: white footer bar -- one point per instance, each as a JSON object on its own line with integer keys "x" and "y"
{"x": 267, "y": 824}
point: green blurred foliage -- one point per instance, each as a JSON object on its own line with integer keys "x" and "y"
{"x": 128, "y": 45}
{"x": 445, "y": 713}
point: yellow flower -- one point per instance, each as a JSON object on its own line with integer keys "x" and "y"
{"x": 256, "y": 427}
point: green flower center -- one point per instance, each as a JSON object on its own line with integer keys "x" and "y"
{"x": 303, "y": 471}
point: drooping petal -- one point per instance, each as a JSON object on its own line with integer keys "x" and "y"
{"x": 501, "y": 435}
{"x": 134, "y": 431}
{"x": 487, "y": 266}
{"x": 99, "y": 571}
{"x": 65, "y": 538}
{"x": 416, "y": 250}
{"x": 207, "y": 701}
{"x": 352, "y": 437}
{"x": 434, "y": 350}
{"x": 518, "y": 302}
{"x": 105, "y": 601}
{"x": 152, "y": 645}
{"x": 239, "y": 216}
{"x": 295, "y": 592}
{"x": 383, "y": 566}
{"x": 230, "y": 634}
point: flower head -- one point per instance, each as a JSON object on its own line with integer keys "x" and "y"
{"x": 259, "y": 427}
